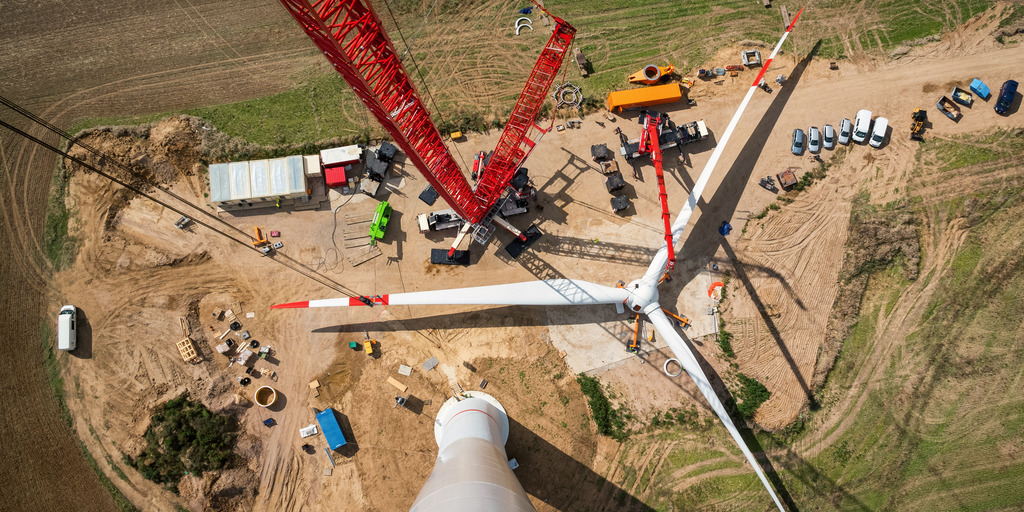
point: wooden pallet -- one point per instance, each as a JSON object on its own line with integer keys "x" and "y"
{"x": 188, "y": 351}
{"x": 357, "y": 241}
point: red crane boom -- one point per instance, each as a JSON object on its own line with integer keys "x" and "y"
{"x": 650, "y": 143}
{"x": 514, "y": 144}
{"x": 352, "y": 38}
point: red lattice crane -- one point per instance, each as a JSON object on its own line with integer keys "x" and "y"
{"x": 650, "y": 142}
{"x": 352, "y": 38}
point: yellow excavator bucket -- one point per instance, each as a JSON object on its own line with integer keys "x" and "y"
{"x": 651, "y": 74}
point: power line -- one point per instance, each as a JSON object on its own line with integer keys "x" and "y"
{"x": 423, "y": 80}
{"x": 280, "y": 258}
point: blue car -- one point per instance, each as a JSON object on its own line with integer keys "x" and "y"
{"x": 1006, "y": 94}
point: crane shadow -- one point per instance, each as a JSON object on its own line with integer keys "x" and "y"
{"x": 762, "y": 310}
{"x": 551, "y": 475}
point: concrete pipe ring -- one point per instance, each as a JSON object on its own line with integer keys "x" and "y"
{"x": 664, "y": 367}
{"x": 265, "y": 396}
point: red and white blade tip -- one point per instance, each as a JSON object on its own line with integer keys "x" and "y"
{"x": 291, "y": 305}
{"x": 794, "y": 19}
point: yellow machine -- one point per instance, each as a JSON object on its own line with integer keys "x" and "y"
{"x": 651, "y": 74}
{"x": 368, "y": 344}
{"x": 260, "y": 238}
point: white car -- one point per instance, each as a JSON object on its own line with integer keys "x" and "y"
{"x": 828, "y": 138}
{"x": 878, "y": 134}
{"x": 861, "y": 125}
{"x": 845, "y": 130}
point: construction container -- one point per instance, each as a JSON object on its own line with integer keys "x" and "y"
{"x": 648, "y": 96}
{"x": 331, "y": 429}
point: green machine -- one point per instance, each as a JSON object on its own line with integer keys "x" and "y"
{"x": 380, "y": 222}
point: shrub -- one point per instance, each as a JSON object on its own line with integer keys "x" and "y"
{"x": 751, "y": 395}
{"x": 609, "y": 420}
{"x": 185, "y": 437}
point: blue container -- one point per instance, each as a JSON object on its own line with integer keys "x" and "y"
{"x": 329, "y": 426}
{"x": 978, "y": 87}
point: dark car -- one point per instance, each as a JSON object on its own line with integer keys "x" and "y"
{"x": 1006, "y": 94}
{"x": 798, "y": 142}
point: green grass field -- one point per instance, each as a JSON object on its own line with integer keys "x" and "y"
{"x": 618, "y": 37}
{"x": 941, "y": 424}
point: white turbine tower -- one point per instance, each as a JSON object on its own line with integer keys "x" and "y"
{"x": 640, "y": 295}
{"x": 472, "y": 472}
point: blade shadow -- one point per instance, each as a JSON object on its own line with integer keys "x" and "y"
{"x": 703, "y": 240}
{"x": 762, "y": 310}
{"x": 492, "y": 316}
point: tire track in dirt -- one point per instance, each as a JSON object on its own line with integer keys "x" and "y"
{"x": 37, "y": 435}
{"x": 791, "y": 266}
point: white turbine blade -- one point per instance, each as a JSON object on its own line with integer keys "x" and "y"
{"x": 553, "y": 292}
{"x": 693, "y": 369}
{"x": 661, "y": 258}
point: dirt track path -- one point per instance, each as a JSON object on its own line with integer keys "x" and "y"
{"x": 140, "y": 58}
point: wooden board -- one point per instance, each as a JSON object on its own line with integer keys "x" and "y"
{"x": 398, "y": 385}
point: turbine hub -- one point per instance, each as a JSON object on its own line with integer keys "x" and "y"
{"x": 642, "y": 293}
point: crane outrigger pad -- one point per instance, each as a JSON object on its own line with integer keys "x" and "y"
{"x": 429, "y": 195}
{"x": 517, "y": 246}
{"x": 440, "y": 257}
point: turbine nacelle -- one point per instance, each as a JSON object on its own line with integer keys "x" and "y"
{"x": 643, "y": 294}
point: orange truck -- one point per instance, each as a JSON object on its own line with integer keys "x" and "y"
{"x": 645, "y": 97}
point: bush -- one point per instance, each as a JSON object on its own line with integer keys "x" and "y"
{"x": 185, "y": 437}
{"x": 750, "y": 396}
{"x": 725, "y": 339}
{"x": 609, "y": 420}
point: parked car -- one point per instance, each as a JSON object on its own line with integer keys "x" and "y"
{"x": 845, "y": 130}
{"x": 813, "y": 139}
{"x": 798, "y": 142}
{"x": 67, "y": 338}
{"x": 878, "y": 134}
{"x": 1006, "y": 94}
{"x": 861, "y": 125}
{"x": 829, "y": 137}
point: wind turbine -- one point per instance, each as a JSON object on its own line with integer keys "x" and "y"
{"x": 639, "y": 296}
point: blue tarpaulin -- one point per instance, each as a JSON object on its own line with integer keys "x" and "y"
{"x": 329, "y": 426}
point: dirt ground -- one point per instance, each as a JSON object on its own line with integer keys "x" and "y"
{"x": 94, "y": 58}
{"x": 136, "y": 275}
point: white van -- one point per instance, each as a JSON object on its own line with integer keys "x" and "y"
{"x": 861, "y": 125}
{"x": 66, "y": 338}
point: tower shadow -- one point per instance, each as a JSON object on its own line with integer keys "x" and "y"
{"x": 551, "y": 475}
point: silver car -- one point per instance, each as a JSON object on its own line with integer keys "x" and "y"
{"x": 845, "y": 129}
{"x": 829, "y": 137}
{"x": 798, "y": 141}
{"x": 813, "y": 139}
